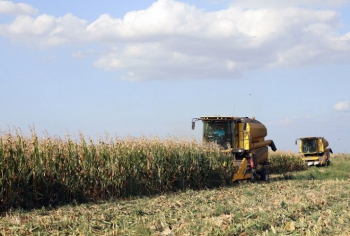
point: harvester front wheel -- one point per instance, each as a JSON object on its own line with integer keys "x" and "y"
{"x": 253, "y": 175}
{"x": 265, "y": 175}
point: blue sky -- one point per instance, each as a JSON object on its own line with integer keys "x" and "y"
{"x": 149, "y": 67}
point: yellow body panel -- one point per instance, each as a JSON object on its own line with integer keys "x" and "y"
{"x": 243, "y": 137}
{"x": 254, "y": 133}
{"x": 261, "y": 154}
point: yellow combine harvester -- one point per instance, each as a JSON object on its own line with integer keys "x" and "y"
{"x": 244, "y": 139}
{"x": 314, "y": 151}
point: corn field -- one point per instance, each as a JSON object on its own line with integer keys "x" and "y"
{"x": 37, "y": 172}
{"x": 284, "y": 162}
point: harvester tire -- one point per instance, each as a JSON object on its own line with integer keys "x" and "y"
{"x": 253, "y": 175}
{"x": 265, "y": 175}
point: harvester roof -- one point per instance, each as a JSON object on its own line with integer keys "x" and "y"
{"x": 304, "y": 138}
{"x": 229, "y": 118}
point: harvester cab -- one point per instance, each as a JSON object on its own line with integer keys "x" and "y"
{"x": 244, "y": 139}
{"x": 314, "y": 151}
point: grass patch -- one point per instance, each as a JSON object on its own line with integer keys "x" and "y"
{"x": 339, "y": 169}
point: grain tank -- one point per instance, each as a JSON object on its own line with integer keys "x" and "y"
{"x": 314, "y": 150}
{"x": 244, "y": 139}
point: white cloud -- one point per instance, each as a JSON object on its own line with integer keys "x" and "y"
{"x": 153, "y": 61}
{"x": 45, "y": 30}
{"x": 222, "y": 44}
{"x": 342, "y": 106}
{"x": 172, "y": 39}
{"x": 288, "y": 3}
{"x": 8, "y": 7}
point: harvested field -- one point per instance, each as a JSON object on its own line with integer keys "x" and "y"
{"x": 282, "y": 207}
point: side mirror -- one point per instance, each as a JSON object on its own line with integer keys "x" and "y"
{"x": 193, "y": 125}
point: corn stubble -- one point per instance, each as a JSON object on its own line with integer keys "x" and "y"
{"x": 50, "y": 171}
{"x": 288, "y": 207}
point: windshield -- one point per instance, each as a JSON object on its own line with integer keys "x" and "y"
{"x": 219, "y": 133}
{"x": 309, "y": 146}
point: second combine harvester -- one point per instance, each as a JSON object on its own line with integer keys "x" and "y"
{"x": 244, "y": 139}
{"x": 315, "y": 151}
